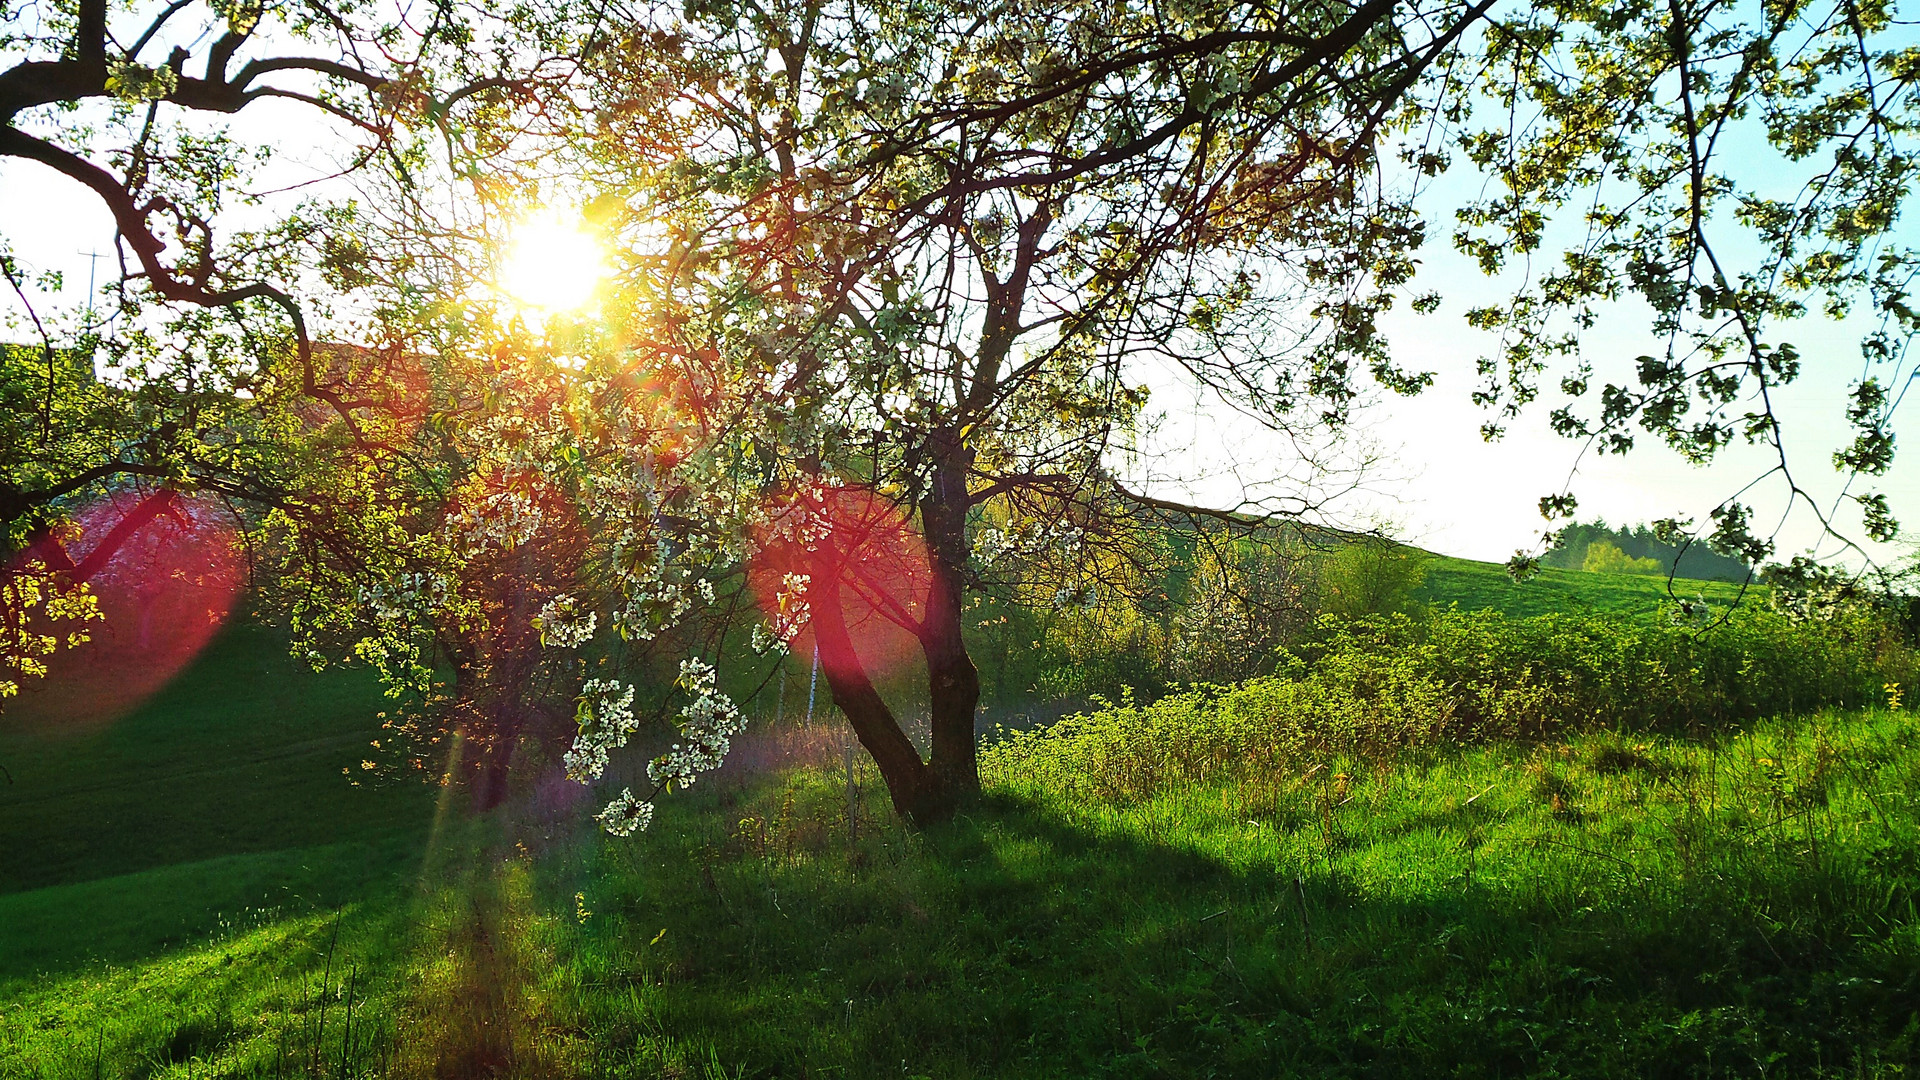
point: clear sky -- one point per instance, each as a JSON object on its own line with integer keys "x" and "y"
{"x": 1468, "y": 497}
{"x": 1442, "y": 487}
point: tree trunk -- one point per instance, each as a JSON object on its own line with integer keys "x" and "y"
{"x": 494, "y": 671}
{"x": 496, "y": 758}
{"x": 919, "y": 794}
{"x": 923, "y": 792}
{"x": 953, "y": 682}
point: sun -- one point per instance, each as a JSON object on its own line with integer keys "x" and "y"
{"x": 551, "y": 265}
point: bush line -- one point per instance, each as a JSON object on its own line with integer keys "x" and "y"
{"x": 1378, "y": 686}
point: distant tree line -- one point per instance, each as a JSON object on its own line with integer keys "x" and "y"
{"x": 1638, "y": 550}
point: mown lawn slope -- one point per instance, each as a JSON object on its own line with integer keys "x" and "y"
{"x": 222, "y": 795}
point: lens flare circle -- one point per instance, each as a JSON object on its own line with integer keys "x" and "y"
{"x": 166, "y": 590}
{"x": 879, "y": 565}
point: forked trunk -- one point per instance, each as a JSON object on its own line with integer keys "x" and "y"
{"x": 923, "y": 792}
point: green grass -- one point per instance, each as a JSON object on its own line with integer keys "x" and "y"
{"x": 223, "y": 794}
{"x": 1476, "y": 585}
{"x": 1599, "y": 908}
{"x": 252, "y": 999}
{"x": 1602, "y": 905}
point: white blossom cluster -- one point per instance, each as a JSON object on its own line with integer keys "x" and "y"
{"x": 391, "y": 638}
{"x": 625, "y": 815}
{"x": 523, "y": 434}
{"x": 388, "y": 606}
{"x": 635, "y": 555}
{"x": 606, "y": 722}
{"x": 766, "y": 640}
{"x": 789, "y": 615}
{"x": 708, "y": 724}
{"x": 612, "y": 496}
{"x": 991, "y": 545}
{"x": 798, "y": 520}
{"x": 505, "y": 520}
{"x": 565, "y": 622}
{"x": 1084, "y": 595}
{"x": 399, "y": 600}
{"x": 652, "y": 606}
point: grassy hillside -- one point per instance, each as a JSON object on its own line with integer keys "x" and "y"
{"x": 222, "y": 794}
{"x": 1476, "y": 585}
{"x": 1601, "y": 907}
{"x": 196, "y": 891}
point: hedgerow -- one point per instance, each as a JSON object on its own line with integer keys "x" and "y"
{"x": 1377, "y": 686}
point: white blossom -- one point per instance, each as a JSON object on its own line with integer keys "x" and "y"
{"x": 625, "y": 815}
{"x": 1083, "y": 595}
{"x": 790, "y": 607}
{"x": 505, "y": 520}
{"x": 606, "y": 722}
{"x": 708, "y": 724}
{"x": 565, "y": 623}
{"x": 990, "y": 544}
{"x": 765, "y": 640}
{"x": 651, "y": 608}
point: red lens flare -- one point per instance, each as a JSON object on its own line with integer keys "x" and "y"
{"x": 167, "y": 570}
{"x": 858, "y": 547}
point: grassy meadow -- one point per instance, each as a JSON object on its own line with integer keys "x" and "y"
{"x": 1545, "y": 881}
{"x": 1478, "y": 585}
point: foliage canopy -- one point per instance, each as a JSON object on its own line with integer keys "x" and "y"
{"x": 921, "y": 253}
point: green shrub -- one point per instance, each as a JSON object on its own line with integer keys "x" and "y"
{"x": 1605, "y": 557}
{"x": 1376, "y": 686}
{"x": 1372, "y": 577}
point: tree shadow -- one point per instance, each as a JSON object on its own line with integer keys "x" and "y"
{"x": 1021, "y": 942}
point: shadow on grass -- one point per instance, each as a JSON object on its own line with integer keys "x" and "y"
{"x": 242, "y": 755}
{"x": 1022, "y": 941}
{"x": 219, "y": 803}
{"x": 757, "y": 931}
{"x": 132, "y": 918}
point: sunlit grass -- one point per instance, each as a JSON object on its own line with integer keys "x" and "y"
{"x": 1475, "y": 585}
{"x": 1603, "y": 905}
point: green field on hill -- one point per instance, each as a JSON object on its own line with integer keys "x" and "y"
{"x": 1476, "y": 585}
{"x": 221, "y": 796}
{"x": 196, "y": 890}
